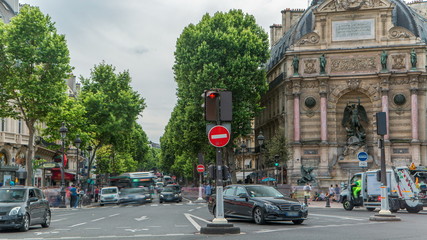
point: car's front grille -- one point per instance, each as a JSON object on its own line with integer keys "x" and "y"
{"x": 3, "y": 213}
{"x": 288, "y": 207}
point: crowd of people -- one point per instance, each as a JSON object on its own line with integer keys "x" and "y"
{"x": 333, "y": 193}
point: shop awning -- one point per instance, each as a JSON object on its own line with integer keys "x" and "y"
{"x": 56, "y": 175}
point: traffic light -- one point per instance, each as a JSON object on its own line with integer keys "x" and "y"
{"x": 277, "y": 165}
{"x": 212, "y": 171}
{"x": 217, "y": 105}
{"x": 225, "y": 173}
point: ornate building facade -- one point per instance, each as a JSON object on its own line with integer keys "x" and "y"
{"x": 332, "y": 71}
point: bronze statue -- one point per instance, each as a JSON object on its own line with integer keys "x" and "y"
{"x": 413, "y": 59}
{"x": 295, "y": 64}
{"x": 305, "y": 175}
{"x": 352, "y": 120}
{"x": 322, "y": 64}
{"x": 384, "y": 57}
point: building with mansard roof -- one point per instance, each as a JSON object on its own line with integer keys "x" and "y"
{"x": 333, "y": 67}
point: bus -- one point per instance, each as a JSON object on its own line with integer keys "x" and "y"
{"x": 135, "y": 180}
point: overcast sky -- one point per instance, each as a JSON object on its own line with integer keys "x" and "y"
{"x": 140, "y": 35}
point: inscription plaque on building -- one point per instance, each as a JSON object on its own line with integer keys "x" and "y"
{"x": 353, "y": 30}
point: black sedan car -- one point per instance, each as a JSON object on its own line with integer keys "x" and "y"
{"x": 135, "y": 195}
{"x": 21, "y": 207}
{"x": 171, "y": 193}
{"x": 259, "y": 203}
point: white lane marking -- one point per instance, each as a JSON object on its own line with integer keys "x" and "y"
{"x": 92, "y": 228}
{"x": 154, "y": 205}
{"x": 191, "y": 210}
{"x": 195, "y": 224}
{"x": 78, "y": 224}
{"x": 340, "y": 217}
{"x": 57, "y": 220}
{"x": 95, "y": 220}
{"x": 136, "y": 230}
{"x": 61, "y": 215}
{"x": 113, "y": 215}
{"x": 141, "y": 218}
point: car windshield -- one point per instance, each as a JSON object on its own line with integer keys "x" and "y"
{"x": 109, "y": 191}
{"x": 126, "y": 191}
{"x": 170, "y": 189}
{"x": 263, "y": 191}
{"x": 12, "y": 195}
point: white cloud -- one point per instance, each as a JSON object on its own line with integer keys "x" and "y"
{"x": 140, "y": 35}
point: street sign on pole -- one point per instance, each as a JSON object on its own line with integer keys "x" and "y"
{"x": 200, "y": 168}
{"x": 219, "y": 136}
{"x": 363, "y": 159}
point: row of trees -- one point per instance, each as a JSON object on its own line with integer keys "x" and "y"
{"x": 34, "y": 63}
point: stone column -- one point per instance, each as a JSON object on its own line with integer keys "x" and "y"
{"x": 297, "y": 131}
{"x": 414, "y": 114}
{"x": 323, "y": 118}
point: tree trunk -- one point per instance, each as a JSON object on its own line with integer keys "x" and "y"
{"x": 30, "y": 155}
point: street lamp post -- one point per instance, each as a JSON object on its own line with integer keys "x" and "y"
{"x": 260, "y": 139}
{"x": 89, "y": 150}
{"x": 77, "y": 143}
{"x": 63, "y": 131}
{"x": 243, "y": 147}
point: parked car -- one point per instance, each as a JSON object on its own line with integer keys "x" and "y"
{"x": 22, "y": 207}
{"x": 135, "y": 195}
{"x": 109, "y": 195}
{"x": 259, "y": 203}
{"x": 171, "y": 193}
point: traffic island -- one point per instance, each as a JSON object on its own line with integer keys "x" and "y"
{"x": 384, "y": 218}
{"x": 220, "y": 228}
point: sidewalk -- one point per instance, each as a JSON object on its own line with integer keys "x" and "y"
{"x": 322, "y": 204}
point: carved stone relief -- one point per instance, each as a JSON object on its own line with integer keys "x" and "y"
{"x": 398, "y": 61}
{"x": 310, "y": 66}
{"x": 353, "y": 64}
{"x": 353, "y": 84}
{"x": 399, "y": 32}
{"x": 309, "y": 84}
{"x": 344, "y": 5}
{"x": 308, "y": 39}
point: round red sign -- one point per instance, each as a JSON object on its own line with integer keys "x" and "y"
{"x": 200, "y": 168}
{"x": 219, "y": 136}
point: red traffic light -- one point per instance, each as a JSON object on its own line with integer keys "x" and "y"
{"x": 212, "y": 95}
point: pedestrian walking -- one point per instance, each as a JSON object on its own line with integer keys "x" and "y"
{"x": 337, "y": 192}
{"x": 96, "y": 193}
{"x": 307, "y": 192}
{"x": 73, "y": 196}
{"x": 331, "y": 192}
{"x": 208, "y": 191}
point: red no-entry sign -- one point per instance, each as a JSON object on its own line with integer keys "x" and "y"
{"x": 200, "y": 168}
{"x": 219, "y": 136}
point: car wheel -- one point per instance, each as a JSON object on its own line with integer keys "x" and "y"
{"x": 101, "y": 205}
{"x": 348, "y": 205}
{"x": 161, "y": 201}
{"x": 370, "y": 209}
{"x": 25, "y": 223}
{"x": 258, "y": 216}
{"x": 414, "y": 209}
{"x": 46, "y": 220}
{"x": 298, "y": 222}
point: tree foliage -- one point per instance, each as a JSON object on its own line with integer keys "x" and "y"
{"x": 223, "y": 51}
{"x": 34, "y": 61}
{"x": 278, "y": 146}
{"x": 112, "y": 108}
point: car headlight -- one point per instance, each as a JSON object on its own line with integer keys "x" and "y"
{"x": 176, "y": 195}
{"x": 304, "y": 207}
{"x": 14, "y": 211}
{"x": 271, "y": 206}
{"x": 161, "y": 195}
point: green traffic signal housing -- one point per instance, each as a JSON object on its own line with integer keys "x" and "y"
{"x": 276, "y": 164}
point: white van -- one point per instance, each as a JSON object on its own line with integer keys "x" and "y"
{"x": 109, "y": 195}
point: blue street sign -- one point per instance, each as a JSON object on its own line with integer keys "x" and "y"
{"x": 362, "y": 156}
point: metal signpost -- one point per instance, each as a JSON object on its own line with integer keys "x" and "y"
{"x": 200, "y": 169}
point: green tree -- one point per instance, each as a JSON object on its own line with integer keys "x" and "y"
{"x": 224, "y": 51}
{"x": 113, "y": 162}
{"x": 34, "y": 61}
{"x": 278, "y": 146}
{"x": 112, "y": 107}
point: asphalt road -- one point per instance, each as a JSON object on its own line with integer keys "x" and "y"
{"x": 183, "y": 221}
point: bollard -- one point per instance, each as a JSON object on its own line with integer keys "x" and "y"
{"x": 328, "y": 203}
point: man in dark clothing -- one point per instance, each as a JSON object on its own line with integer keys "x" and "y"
{"x": 73, "y": 196}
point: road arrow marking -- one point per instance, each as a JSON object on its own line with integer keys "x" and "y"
{"x": 141, "y": 218}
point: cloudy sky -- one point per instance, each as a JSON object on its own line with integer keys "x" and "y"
{"x": 140, "y": 35}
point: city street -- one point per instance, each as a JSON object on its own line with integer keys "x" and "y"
{"x": 183, "y": 221}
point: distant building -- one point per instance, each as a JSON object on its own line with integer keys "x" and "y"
{"x": 335, "y": 56}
